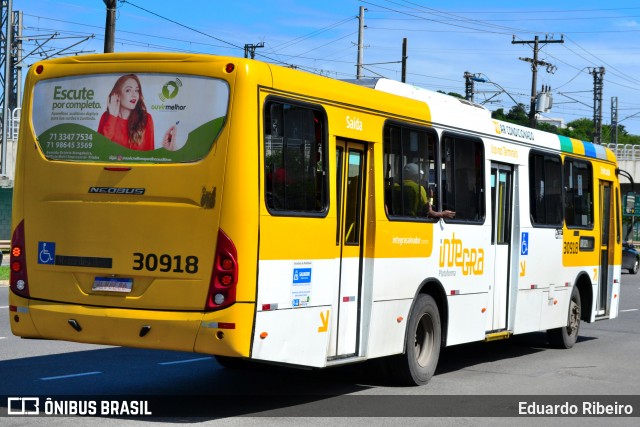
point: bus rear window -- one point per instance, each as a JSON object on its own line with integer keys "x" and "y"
{"x": 129, "y": 118}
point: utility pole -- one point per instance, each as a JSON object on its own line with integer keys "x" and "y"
{"x": 404, "y": 60}
{"x": 598, "y": 83}
{"x": 534, "y": 68}
{"x": 110, "y": 26}
{"x": 614, "y": 119}
{"x": 250, "y": 49}
{"x": 361, "y": 28}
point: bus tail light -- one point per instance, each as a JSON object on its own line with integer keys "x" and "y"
{"x": 17, "y": 263}
{"x": 224, "y": 277}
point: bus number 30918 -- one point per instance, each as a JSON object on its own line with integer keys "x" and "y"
{"x": 165, "y": 263}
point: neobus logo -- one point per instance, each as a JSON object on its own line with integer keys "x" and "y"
{"x": 453, "y": 254}
{"x": 117, "y": 190}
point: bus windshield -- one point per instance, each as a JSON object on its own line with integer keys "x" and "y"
{"x": 129, "y": 118}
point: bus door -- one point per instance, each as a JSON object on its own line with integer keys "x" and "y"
{"x": 603, "y": 301}
{"x": 351, "y": 165}
{"x": 501, "y": 223}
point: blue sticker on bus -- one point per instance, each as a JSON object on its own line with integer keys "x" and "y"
{"x": 46, "y": 253}
{"x": 301, "y": 276}
{"x": 524, "y": 245}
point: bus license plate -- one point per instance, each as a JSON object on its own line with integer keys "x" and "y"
{"x": 112, "y": 284}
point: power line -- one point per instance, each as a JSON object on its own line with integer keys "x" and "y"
{"x": 609, "y": 66}
{"x": 310, "y": 35}
{"x": 433, "y": 20}
{"x": 181, "y": 25}
{"x": 458, "y": 18}
{"x": 528, "y": 12}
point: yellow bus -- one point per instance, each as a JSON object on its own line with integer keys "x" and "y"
{"x": 254, "y": 212}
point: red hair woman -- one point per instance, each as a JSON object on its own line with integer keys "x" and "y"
{"x": 126, "y": 120}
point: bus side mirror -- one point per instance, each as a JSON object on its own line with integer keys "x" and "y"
{"x": 630, "y": 204}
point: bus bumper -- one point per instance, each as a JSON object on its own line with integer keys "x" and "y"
{"x": 227, "y": 332}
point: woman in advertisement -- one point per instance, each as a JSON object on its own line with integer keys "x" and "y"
{"x": 127, "y": 121}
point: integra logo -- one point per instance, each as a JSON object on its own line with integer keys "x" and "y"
{"x": 116, "y": 190}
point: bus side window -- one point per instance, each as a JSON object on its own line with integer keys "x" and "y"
{"x": 294, "y": 159}
{"x": 409, "y": 169}
{"x": 545, "y": 189}
{"x": 578, "y": 193}
{"x": 463, "y": 177}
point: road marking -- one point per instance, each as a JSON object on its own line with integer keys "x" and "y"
{"x": 185, "y": 361}
{"x": 4, "y": 306}
{"x": 631, "y": 309}
{"x": 3, "y": 338}
{"x": 61, "y": 377}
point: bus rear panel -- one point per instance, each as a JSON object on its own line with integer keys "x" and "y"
{"x": 117, "y": 218}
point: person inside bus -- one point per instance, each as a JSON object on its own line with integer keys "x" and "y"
{"x": 414, "y": 195}
{"x": 127, "y": 121}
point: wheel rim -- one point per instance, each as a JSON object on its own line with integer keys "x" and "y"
{"x": 424, "y": 340}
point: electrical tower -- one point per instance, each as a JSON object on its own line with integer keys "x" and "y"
{"x": 11, "y": 63}
{"x": 598, "y": 84}
{"x": 469, "y": 84}
{"x": 534, "y": 69}
{"x": 250, "y": 49}
{"x": 10, "y": 77}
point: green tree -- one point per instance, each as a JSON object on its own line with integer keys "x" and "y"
{"x": 455, "y": 95}
{"x": 516, "y": 115}
{"x": 579, "y": 129}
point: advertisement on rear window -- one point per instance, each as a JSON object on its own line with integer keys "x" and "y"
{"x": 130, "y": 118}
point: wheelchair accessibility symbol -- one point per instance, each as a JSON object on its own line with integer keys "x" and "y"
{"x": 524, "y": 245}
{"x": 46, "y": 253}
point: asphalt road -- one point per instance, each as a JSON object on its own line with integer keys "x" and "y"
{"x": 602, "y": 364}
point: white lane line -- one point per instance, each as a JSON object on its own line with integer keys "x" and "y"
{"x": 4, "y": 306}
{"x": 3, "y": 338}
{"x": 631, "y": 309}
{"x": 61, "y": 377}
{"x": 185, "y": 361}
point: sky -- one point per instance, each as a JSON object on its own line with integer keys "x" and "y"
{"x": 444, "y": 40}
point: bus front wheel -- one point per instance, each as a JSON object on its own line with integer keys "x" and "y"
{"x": 422, "y": 344}
{"x": 566, "y": 336}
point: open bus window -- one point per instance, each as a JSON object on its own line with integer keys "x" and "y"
{"x": 545, "y": 192}
{"x": 294, "y": 153}
{"x": 578, "y": 194}
{"x": 463, "y": 177}
{"x": 410, "y": 169}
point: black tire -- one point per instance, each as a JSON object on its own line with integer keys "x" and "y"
{"x": 566, "y": 336}
{"x": 422, "y": 344}
{"x": 636, "y": 266}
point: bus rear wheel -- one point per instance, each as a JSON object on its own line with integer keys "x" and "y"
{"x": 566, "y": 336}
{"x": 422, "y": 344}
